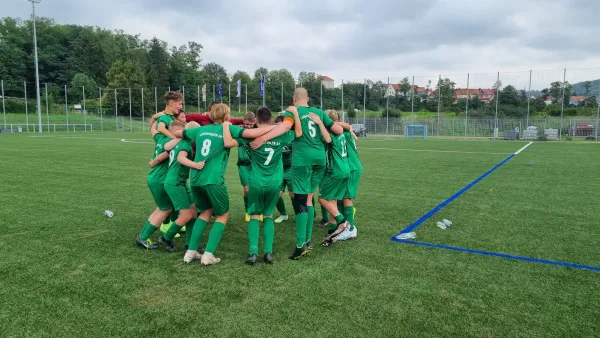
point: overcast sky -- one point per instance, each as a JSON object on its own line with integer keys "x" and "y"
{"x": 354, "y": 39}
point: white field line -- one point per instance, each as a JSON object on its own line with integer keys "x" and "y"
{"x": 520, "y": 150}
{"x": 436, "y": 151}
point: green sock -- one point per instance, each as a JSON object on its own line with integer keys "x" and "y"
{"x": 301, "y": 220}
{"x": 253, "y": 234}
{"x": 281, "y": 207}
{"x": 340, "y": 206}
{"x": 349, "y": 214}
{"x": 189, "y": 228}
{"x": 339, "y": 218}
{"x": 269, "y": 234}
{"x": 246, "y": 204}
{"x": 173, "y": 230}
{"x": 324, "y": 213}
{"x": 199, "y": 227}
{"x": 174, "y": 215}
{"x": 331, "y": 226}
{"x": 146, "y": 225}
{"x": 214, "y": 237}
{"x": 313, "y": 204}
{"x": 148, "y": 231}
{"x": 309, "y": 222}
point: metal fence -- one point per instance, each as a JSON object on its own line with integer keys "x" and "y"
{"x": 481, "y": 104}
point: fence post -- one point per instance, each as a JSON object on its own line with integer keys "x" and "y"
{"x": 26, "y": 111}
{"x": 3, "y": 106}
{"x": 467, "y": 105}
{"x": 439, "y": 104}
{"x": 199, "y": 100}
{"x": 562, "y": 106}
{"x": 143, "y": 113}
{"x": 282, "y": 96}
{"x": 55, "y": 127}
{"x": 130, "y": 120}
{"x": 47, "y": 114}
{"x": 528, "y": 99}
{"x": 412, "y": 102}
{"x": 84, "y": 111}
{"x": 246, "y": 85}
{"x": 321, "y": 98}
{"x": 183, "y": 94}
{"x": 387, "y": 108}
{"x": 155, "y": 101}
{"x": 497, "y": 99}
{"x": 343, "y": 112}
{"x": 116, "y": 116}
{"x": 100, "y": 108}
{"x": 365, "y": 104}
{"x": 67, "y": 108}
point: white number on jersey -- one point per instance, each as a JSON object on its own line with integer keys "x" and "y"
{"x": 311, "y": 129}
{"x": 171, "y": 157}
{"x": 344, "y": 149}
{"x": 271, "y": 151}
{"x": 205, "y": 147}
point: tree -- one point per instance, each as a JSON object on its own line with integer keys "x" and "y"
{"x": 509, "y": 96}
{"x": 587, "y": 88}
{"x": 212, "y": 72}
{"x": 158, "y": 67}
{"x": 556, "y": 91}
{"x": 444, "y": 92}
{"x": 81, "y": 80}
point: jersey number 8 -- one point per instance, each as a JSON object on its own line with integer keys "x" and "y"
{"x": 205, "y": 147}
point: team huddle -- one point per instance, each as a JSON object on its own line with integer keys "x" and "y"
{"x": 304, "y": 150}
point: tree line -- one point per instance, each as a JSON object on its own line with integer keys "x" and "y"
{"x": 98, "y": 59}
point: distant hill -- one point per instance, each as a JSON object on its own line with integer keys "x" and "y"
{"x": 580, "y": 90}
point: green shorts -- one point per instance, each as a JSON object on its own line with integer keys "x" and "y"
{"x": 161, "y": 198}
{"x": 180, "y": 195}
{"x": 333, "y": 188}
{"x": 287, "y": 180}
{"x": 245, "y": 171}
{"x": 262, "y": 200}
{"x": 352, "y": 185}
{"x": 306, "y": 179}
{"x": 212, "y": 196}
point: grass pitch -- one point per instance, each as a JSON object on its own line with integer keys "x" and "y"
{"x": 67, "y": 270}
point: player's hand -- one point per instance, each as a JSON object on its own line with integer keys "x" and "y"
{"x": 157, "y": 115}
{"x": 315, "y": 118}
{"x": 200, "y": 165}
{"x": 257, "y": 143}
{"x": 292, "y": 109}
{"x": 226, "y": 124}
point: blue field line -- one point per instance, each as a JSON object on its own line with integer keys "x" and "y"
{"x": 433, "y": 211}
{"x": 501, "y": 255}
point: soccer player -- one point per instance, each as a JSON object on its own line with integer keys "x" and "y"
{"x": 173, "y": 104}
{"x": 265, "y": 181}
{"x": 180, "y": 162}
{"x": 243, "y": 163}
{"x": 156, "y": 179}
{"x": 347, "y": 207}
{"x": 286, "y": 157}
{"x": 308, "y": 164}
{"x": 208, "y": 185}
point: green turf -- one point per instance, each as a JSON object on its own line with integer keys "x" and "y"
{"x": 67, "y": 270}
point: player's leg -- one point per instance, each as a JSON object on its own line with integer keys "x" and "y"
{"x": 270, "y": 203}
{"x": 162, "y": 211}
{"x": 181, "y": 204}
{"x": 332, "y": 190}
{"x": 244, "y": 172}
{"x": 301, "y": 189}
{"x": 205, "y": 211}
{"x": 255, "y": 206}
{"x": 190, "y": 225}
{"x": 317, "y": 174}
{"x": 219, "y": 199}
{"x": 280, "y": 203}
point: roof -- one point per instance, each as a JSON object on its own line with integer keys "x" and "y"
{"x": 395, "y": 86}
{"x": 474, "y": 91}
{"x": 577, "y": 98}
{"x": 325, "y": 78}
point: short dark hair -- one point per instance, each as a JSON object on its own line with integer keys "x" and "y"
{"x": 263, "y": 115}
{"x": 181, "y": 111}
{"x": 171, "y": 95}
{"x": 279, "y": 119}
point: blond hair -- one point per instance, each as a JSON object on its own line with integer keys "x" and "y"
{"x": 333, "y": 115}
{"x": 219, "y": 113}
{"x": 191, "y": 125}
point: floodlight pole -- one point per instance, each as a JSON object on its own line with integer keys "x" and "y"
{"x": 37, "y": 74}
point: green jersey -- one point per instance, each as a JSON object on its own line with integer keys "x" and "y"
{"x": 286, "y": 156}
{"x": 243, "y": 157}
{"x": 267, "y": 163}
{"x": 309, "y": 149}
{"x": 210, "y": 147}
{"x": 178, "y": 174}
{"x": 167, "y": 120}
{"x": 353, "y": 160}
{"x": 158, "y": 173}
{"x": 337, "y": 157}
